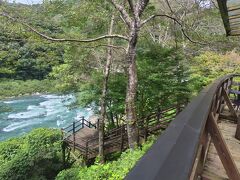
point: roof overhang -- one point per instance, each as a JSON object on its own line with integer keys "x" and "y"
{"x": 230, "y": 12}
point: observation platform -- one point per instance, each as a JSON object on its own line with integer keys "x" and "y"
{"x": 202, "y": 142}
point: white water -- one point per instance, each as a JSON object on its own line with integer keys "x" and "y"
{"x": 38, "y": 111}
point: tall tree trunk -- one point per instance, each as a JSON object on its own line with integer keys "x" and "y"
{"x": 104, "y": 93}
{"x": 132, "y": 87}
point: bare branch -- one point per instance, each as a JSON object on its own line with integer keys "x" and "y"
{"x": 169, "y": 6}
{"x": 61, "y": 39}
{"x": 123, "y": 12}
{"x": 106, "y": 45}
{"x": 142, "y": 4}
{"x": 175, "y": 20}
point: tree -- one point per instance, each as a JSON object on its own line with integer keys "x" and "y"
{"x": 131, "y": 13}
{"x": 163, "y": 78}
{"x": 104, "y": 92}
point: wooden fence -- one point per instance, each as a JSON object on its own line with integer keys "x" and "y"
{"x": 116, "y": 139}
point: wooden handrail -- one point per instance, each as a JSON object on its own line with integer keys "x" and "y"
{"x": 177, "y": 153}
{"x": 117, "y": 138}
{"x": 74, "y": 127}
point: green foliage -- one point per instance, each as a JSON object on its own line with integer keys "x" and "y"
{"x": 163, "y": 78}
{"x": 36, "y": 155}
{"x": 22, "y": 58}
{"x": 10, "y": 88}
{"x": 209, "y": 66}
{"x": 69, "y": 174}
{"x": 110, "y": 171}
{"x": 77, "y": 66}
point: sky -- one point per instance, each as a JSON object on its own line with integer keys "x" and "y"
{"x": 27, "y": 1}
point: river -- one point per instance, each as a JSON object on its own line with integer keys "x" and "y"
{"x": 20, "y": 115}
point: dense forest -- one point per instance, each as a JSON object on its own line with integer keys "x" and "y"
{"x": 128, "y": 58}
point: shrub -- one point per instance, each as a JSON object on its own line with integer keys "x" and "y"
{"x": 111, "y": 171}
{"x": 210, "y": 65}
{"x": 36, "y": 155}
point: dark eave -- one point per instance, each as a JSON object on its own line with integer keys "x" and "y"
{"x": 230, "y": 12}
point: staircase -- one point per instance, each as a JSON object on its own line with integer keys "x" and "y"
{"x": 82, "y": 135}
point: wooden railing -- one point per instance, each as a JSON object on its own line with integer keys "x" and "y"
{"x": 76, "y": 126}
{"x": 180, "y": 152}
{"x": 117, "y": 140}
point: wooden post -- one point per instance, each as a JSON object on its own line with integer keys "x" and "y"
{"x": 86, "y": 153}
{"x": 219, "y": 101}
{"x": 63, "y": 148}
{"x": 201, "y": 156}
{"x": 229, "y": 104}
{"x": 98, "y": 124}
{"x": 237, "y": 134}
{"x": 74, "y": 138}
{"x": 197, "y": 164}
{"x": 82, "y": 122}
{"x": 238, "y": 96}
{"x": 138, "y": 136}
{"x": 222, "y": 149}
{"x": 146, "y": 130}
{"x": 122, "y": 137}
{"x": 64, "y": 153}
{"x": 159, "y": 114}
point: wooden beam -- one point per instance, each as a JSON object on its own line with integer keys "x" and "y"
{"x": 229, "y": 104}
{"x": 235, "y": 116}
{"x": 222, "y": 4}
{"x": 122, "y": 138}
{"x": 197, "y": 165}
{"x": 237, "y": 134}
{"x": 230, "y": 118}
{"x": 86, "y": 153}
{"x": 74, "y": 137}
{"x": 222, "y": 149}
{"x": 201, "y": 156}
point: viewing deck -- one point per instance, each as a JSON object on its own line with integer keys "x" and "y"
{"x": 213, "y": 168}
{"x": 202, "y": 142}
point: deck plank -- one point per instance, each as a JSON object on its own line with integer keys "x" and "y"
{"x": 213, "y": 168}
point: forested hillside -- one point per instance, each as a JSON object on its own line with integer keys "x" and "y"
{"x": 127, "y": 59}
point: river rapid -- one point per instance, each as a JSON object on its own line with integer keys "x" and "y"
{"x": 20, "y": 115}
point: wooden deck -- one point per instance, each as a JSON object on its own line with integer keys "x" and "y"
{"x": 84, "y": 134}
{"x": 200, "y": 143}
{"x": 213, "y": 169}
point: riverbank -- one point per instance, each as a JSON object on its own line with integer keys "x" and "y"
{"x": 16, "y": 88}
